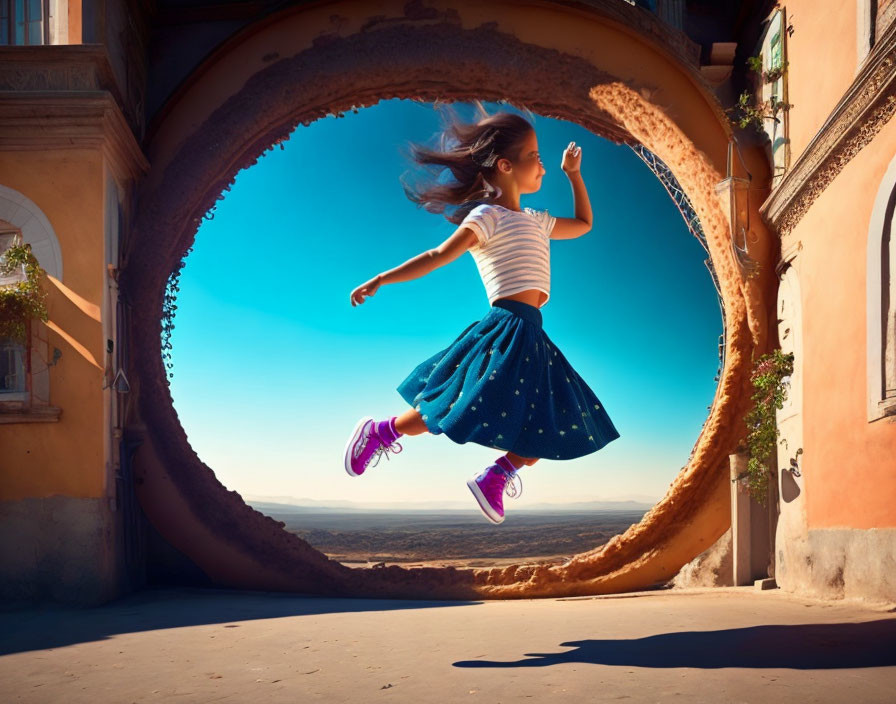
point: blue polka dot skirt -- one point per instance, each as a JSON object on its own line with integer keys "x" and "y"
{"x": 503, "y": 384}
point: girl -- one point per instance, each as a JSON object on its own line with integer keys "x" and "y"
{"x": 502, "y": 383}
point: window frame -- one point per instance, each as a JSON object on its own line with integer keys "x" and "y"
{"x": 775, "y": 39}
{"x": 11, "y": 400}
{"x": 10, "y": 23}
{"x": 26, "y": 406}
{"x": 19, "y": 214}
{"x": 879, "y": 276}
{"x": 14, "y": 400}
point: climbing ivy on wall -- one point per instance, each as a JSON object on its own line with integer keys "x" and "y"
{"x": 749, "y": 110}
{"x": 769, "y": 379}
{"x": 168, "y": 308}
{"x": 173, "y": 285}
{"x": 24, "y": 300}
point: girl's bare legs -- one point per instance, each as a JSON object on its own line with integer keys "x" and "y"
{"x": 411, "y": 423}
{"x": 519, "y": 461}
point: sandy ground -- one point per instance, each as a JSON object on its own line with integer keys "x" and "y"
{"x": 733, "y": 644}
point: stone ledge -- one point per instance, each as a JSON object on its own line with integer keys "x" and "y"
{"x": 62, "y": 67}
{"x": 57, "y": 119}
{"x": 35, "y": 414}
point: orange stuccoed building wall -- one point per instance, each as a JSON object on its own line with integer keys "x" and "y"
{"x": 83, "y": 113}
{"x": 836, "y": 302}
{"x": 69, "y": 160}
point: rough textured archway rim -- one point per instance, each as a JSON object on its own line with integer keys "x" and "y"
{"x": 436, "y": 60}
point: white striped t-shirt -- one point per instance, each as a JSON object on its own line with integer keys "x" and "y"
{"x": 513, "y": 249}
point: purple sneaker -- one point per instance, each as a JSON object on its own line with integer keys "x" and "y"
{"x": 489, "y": 486}
{"x": 370, "y": 439}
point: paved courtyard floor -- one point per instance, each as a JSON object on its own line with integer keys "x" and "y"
{"x": 733, "y": 644}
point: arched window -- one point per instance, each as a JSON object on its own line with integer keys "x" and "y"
{"x": 881, "y": 301}
{"x": 24, "y": 369}
{"x": 13, "y": 354}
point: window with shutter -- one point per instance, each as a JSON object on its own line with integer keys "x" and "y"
{"x": 24, "y": 22}
{"x": 773, "y": 57}
{"x": 13, "y": 355}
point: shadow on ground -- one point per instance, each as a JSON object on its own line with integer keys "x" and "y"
{"x": 821, "y": 646}
{"x": 816, "y": 646}
{"x": 53, "y": 625}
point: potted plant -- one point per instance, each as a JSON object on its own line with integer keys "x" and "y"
{"x": 751, "y": 112}
{"x": 22, "y": 300}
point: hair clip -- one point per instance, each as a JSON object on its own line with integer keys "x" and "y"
{"x": 487, "y": 161}
{"x": 490, "y": 190}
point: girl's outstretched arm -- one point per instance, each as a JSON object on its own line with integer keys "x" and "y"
{"x": 568, "y": 228}
{"x": 462, "y": 239}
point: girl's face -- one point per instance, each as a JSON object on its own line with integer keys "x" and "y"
{"x": 528, "y": 169}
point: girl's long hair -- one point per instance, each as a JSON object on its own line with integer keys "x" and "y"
{"x": 470, "y": 151}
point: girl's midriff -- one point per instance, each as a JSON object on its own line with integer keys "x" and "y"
{"x": 532, "y": 296}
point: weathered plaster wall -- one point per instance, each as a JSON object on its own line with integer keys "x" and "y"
{"x": 58, "y": 548}
{"x": 822, "y": 58}
{"x": 64, "y": 457}
{"x": 59, "y": 538}
{"x": 848, "y": 462}
{"x": 836, "y": 537}
{"x": 75, "y": 15}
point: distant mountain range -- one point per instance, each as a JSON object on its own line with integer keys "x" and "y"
{"x": 289, "y": 504}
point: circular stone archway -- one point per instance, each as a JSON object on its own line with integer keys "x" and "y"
{"x": 604, "y": 68}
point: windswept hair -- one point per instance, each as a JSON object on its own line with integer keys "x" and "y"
{"x": 470, "y": 151}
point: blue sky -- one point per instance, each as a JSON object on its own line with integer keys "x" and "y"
{"x": 269, "y": 398}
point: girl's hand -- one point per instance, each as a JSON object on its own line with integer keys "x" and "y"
{"x": 572, "y": 159}
{"x": 368, "y": 288}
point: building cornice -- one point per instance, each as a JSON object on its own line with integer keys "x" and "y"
{"x": 65, "y": 67}
{"x": 864, "y": 109}
{"x": 81, "y": 119}
{"x": 65, "y": 97}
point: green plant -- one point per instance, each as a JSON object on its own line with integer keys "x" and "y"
{"x": 752, "y": 113}
{"x": 23, "y": 300}
{"x": 774, "y": 74}
{"x": 168, "y": 308}
{"x": 754, "y": 63}
{"x": 748, "y": 110}
{"x": 767, "y": 377}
